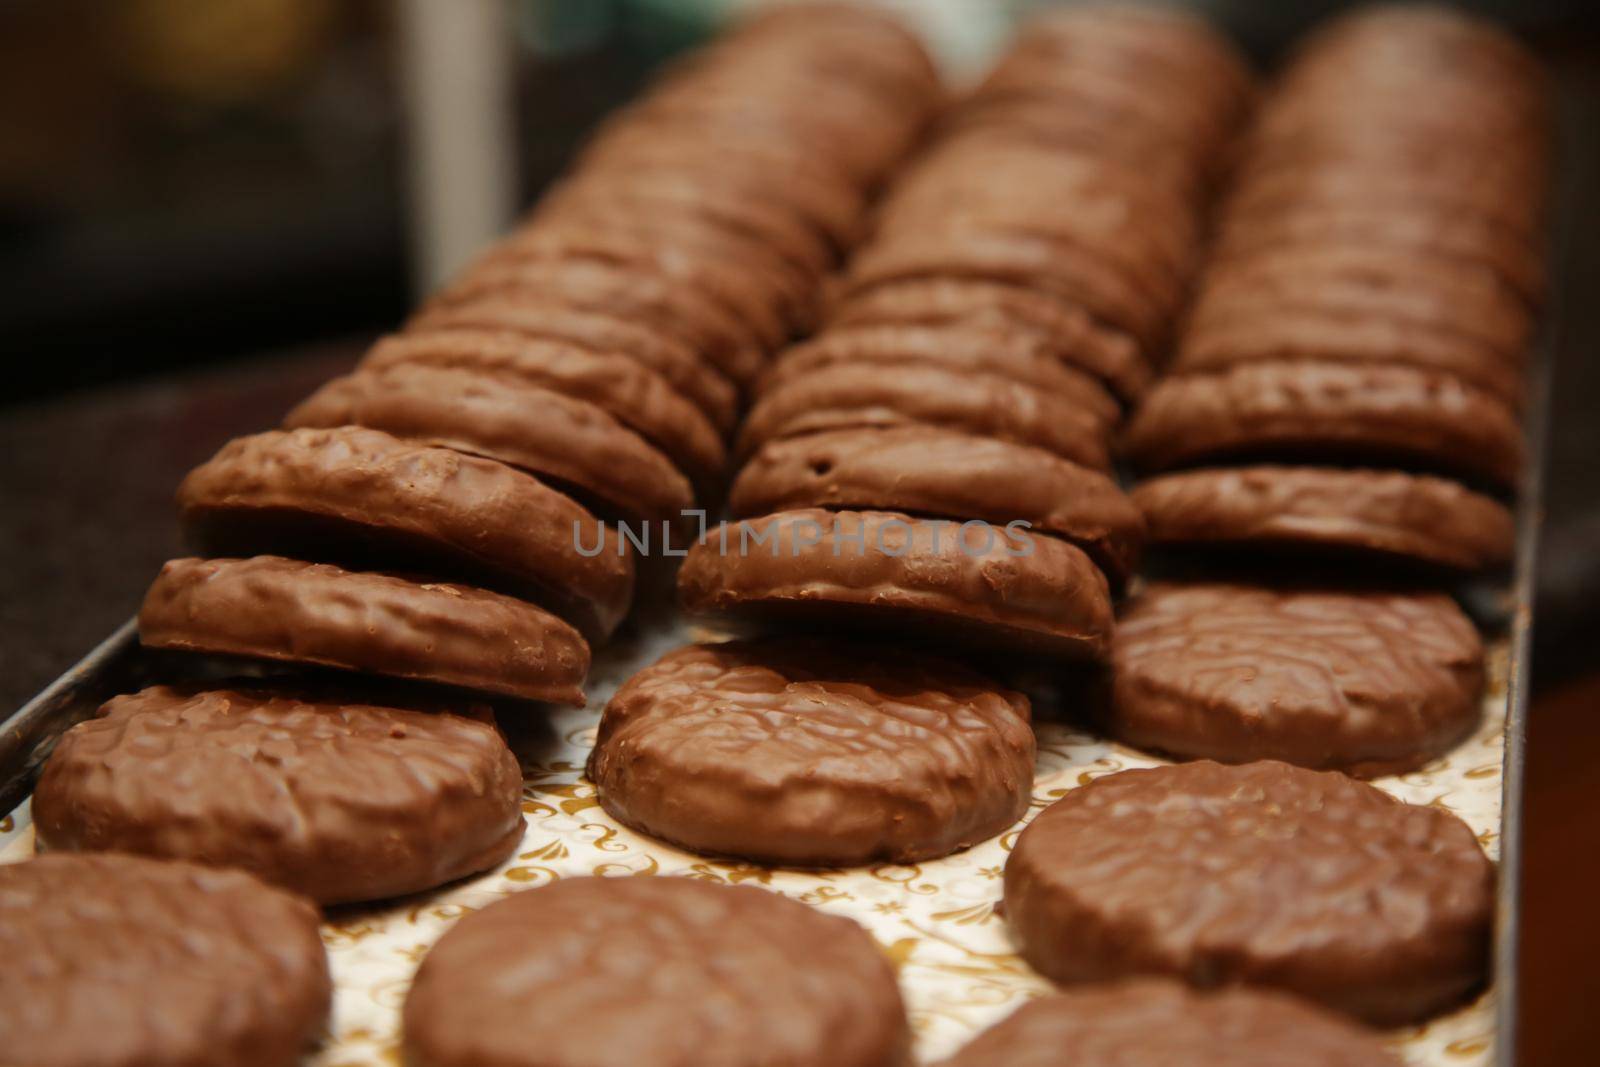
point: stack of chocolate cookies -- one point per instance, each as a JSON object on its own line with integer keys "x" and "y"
{"x": 933, "y": 468}
{"x": 1347, "y": 392}
{"x": 446, "y": 515}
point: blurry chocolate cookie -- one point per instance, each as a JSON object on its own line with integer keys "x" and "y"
{"x": 121, "y": 961}
{"x": 695, "y": 972}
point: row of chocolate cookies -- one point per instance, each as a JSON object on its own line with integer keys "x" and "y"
{"x": 1344, "y": 316}
{"x": 1363, "y": 305}
{"x": 444, "y": 516}
{"x": 441, "y": 516}
{"x": 933, "y": 468}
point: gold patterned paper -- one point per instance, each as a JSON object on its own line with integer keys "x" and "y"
{"x": 936, "y": 920}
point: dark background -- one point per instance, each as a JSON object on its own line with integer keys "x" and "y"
{"x": 203, "y": 215}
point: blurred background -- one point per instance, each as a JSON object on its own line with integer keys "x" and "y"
{"x": 209, "y": 206}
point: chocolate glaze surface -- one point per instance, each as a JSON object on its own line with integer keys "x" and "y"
{"x": 1390, "y": 413}
{"x": 1386, "y": 513}
{"x": 1075, "y": 337}
{"x": 289, "y": 491}
{"x": 929, "y": 471}
{"x": 341, "y": 802}
{"x": 1262, "y": 874}
{"x": 988, "y": 587}
{"x": 668, "y": 357}
{"x": 1162, "y": 1024}
{"x": 121, "y": 961}
{"x": 847, "y": 395}
{"x": 631, "y": 393}
{"x": 1368, "y": 683}
{"x": 571, "y": 442}
{"x": 697, "y": 974}
{"x": 959, "y": 348}
{"x": 281, "y": 609}
{"x": 814, "y": 753}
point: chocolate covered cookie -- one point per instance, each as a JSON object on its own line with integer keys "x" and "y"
{"x": 1263, "y": 874}
{"x": 284, "y": 610}
{"x": 1150, "y": 1023}
{"x": 888, "y": 349}
{"x": 631, "y": 393}
{"x": 338, "y": 801}
{"x": 668, "y": 357}
{"x": 1072, "y": 335}
{"x": 1328, "y": 410}
{"x": 844, "y": 396}
{"x": 924, "y": 470}
{"x": 811, "y": 753}
{"x": 1367, "y": 512}
{"x": 121, "y": 961}
{"x": 351, "y": 493}
{"x": 691, "y": 972}
{"x": 973, "y": 583}
{"x": 571, "y": 443}
{"x": 683, "y": 313}
{"x": 1368, "y": 683}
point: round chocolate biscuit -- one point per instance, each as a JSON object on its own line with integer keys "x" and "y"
{"x": 633, "y": 394}
{"x": 280, "y": 609}
{"x": 1368, "y": 683}
{"x": 845, "y": 396}
{"x": 971, "y": 583}
{"x": 1272, "y": 330}
{"x": 1153, "y": 1023}
{"x": 1327, "y": 410}
{"x": 570, "y": 442}
{"x": 338, "y": 801}
{"x": 732, "y": 976}
{"x": 772, "y": 223}
{"x": 743, "y": 289}
{"x": 924, "y": 470}
{"x": 1264, "y": 874}
{"x": 122, "y": 961}
{"x": 1367, "y": 512}
{"x": 690, "y": 316}
{"x": 305, "y": 493}
{"x": 813, "y": 753}
{"x": 1019, "y": 259}
{"x": 1072, "y": 334}
{"x": 954, "y": 347}
{"x": 672, "y": 359}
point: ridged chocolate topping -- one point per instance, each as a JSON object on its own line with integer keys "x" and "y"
{"x": 571, "y": 442}
{"x": 668, "y": 357}
{"x": 1372, "y": 412}
{"x": 631, "y": 393}
{"x": 928, "y": 471}
{"x": 1261, "y": 874}
{"x": 287, "y": 492}
{"x": 813, "y": 753}
{"x": 991, "y": 586}
{"x": 844, "y": 395}
{"x": 1387, "y": 513}
{"x": 1365, "y": 682}
{"x": 341, "y": 802}
{"x": 281, "y": 609}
